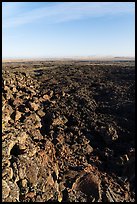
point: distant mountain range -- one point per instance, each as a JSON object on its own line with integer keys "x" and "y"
{"x": 94, "y": 58}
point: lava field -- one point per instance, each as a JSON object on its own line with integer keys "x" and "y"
{"x": 68, "y": 131}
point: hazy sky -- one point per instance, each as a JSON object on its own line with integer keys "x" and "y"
{"x": 58, "y": 29}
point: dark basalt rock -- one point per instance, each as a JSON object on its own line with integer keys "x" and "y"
{"x": 68, "y": 132}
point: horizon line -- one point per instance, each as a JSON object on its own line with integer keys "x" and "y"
{"x": 104, "y": 58}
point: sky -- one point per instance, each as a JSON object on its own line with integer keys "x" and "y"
{"x": 68, "y": 29}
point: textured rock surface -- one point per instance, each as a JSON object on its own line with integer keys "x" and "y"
{"x": 68, "y": 132}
